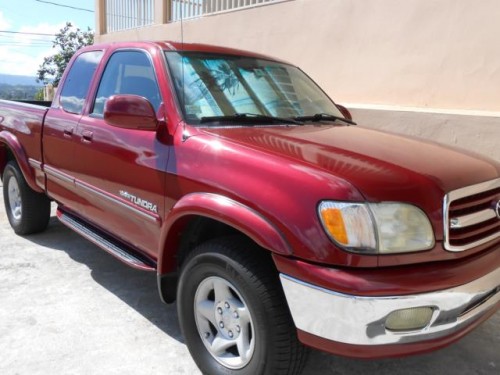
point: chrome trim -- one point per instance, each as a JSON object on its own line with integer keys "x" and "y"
{"x": 151, "y": 217}
{"x": 35, "y": 164}
{"x": 103, "y": 243}
{"x": 361, "y": 320}
{"x": 472, "y": 219}
{"x": 474, "y": 189}
{"x": 447, "y": 221}
{"x": 58, "y": 175}
{"x": 50, "y": 171}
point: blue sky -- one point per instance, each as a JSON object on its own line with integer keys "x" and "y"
{"x": 21, "y": 54}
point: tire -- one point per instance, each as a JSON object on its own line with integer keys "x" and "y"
{"x": 28, "y": 211}
{"x": 233, "y": 313}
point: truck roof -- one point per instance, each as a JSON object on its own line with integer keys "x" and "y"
{"x": 179, "y": 46}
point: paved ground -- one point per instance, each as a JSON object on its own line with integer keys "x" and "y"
{"x": 67, "y": 307}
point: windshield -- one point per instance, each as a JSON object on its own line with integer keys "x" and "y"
{"x": 214, "y": 86}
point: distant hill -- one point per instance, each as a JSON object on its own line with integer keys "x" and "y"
{"x": 8, "y": 79}
{"x": 14, "y": 87}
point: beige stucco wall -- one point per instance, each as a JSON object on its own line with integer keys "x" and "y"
{"x": 429, "y": 54}
{"x": 477, "y": 132}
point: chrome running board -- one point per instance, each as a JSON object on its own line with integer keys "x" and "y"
{"x": 106, "y": 243}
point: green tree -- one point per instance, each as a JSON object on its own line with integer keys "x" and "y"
{"x": 39, "y": 95}
{"x": 67, "y": 42}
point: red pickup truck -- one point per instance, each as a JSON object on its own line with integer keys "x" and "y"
{"x": 266, "y": 213}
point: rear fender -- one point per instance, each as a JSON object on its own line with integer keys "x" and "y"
{"x": 11, "y": 143}
{"x": 224, "y": 210}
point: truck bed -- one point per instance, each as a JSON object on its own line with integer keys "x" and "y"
{"x": 24, "y": 121}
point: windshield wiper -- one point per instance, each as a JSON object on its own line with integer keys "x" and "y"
{"x": 251, "y": 118}
{"x": 324, "y": 117}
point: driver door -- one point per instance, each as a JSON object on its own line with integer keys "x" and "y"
{"x": 120, "y": 172}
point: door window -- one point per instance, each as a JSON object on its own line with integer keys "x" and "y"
{"x": 76, "y": 86}
{"x": 127, "y": 72}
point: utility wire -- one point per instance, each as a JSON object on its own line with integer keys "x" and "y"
{"x": 25, "y": 45}
{"x": 8, "y": 38}
{"x": 12, "y": 37}
{"x": 65, "y": 6}
{"x": 24, "y": 33}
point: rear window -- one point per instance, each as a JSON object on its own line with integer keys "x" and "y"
{"x": 76, "y": 85}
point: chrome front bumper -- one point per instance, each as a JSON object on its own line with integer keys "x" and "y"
{"x": 361, "y": 320}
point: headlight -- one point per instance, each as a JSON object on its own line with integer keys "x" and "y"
{"x": 349, "y": 224}
{"x": 383, "y": 228}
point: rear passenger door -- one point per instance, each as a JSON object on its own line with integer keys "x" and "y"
{"x": 60, "y": 126}
{"x": 120, "y": 171}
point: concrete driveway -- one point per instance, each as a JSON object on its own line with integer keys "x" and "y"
{"x": 67, "y": 307}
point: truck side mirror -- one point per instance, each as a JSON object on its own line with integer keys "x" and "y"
{"x": 345, "y": 112}
{"x": 130, "y": 112}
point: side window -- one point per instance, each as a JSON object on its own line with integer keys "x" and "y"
{"x": 76, "y": 85}
{"x": 127, "y": 72}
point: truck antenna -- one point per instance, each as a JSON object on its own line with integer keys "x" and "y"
{"x": 182, "y": 3}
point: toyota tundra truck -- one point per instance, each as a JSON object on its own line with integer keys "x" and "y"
{"x": 273, "y": 221}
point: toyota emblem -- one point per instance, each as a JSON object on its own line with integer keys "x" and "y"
{"x": 497, "y": 209}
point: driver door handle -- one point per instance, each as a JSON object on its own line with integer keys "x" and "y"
{"x": 68, "y": 132}
{"x": 87, "y": 136}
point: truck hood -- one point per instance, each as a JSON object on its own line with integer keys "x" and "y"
{"x": 382, "y": 166}
{"x": 299, "y": 166}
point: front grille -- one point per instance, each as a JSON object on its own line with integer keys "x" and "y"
{"x": 472, "y": 216}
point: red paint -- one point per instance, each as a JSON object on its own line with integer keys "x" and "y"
{"x": 130, "y": 112}
{"x": 393, "y": 281}
{"x": 225, "y": 210}
{"x": 142, "y": 184}
{"x": 20, "y": 132}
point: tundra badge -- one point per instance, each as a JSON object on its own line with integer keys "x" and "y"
{"x": 139, "y": 201}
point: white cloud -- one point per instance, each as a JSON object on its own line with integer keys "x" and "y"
{"x": 16, "y": 61}
{"x": 24, "y": 53}
{"x": 29, "y": 39}
{"x": 43, "y": 28}
{"x": 4, "y": 22}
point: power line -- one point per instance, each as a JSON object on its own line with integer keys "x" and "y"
{"x": 65, "y": 6}
{"x": 27, "y": 44}
{"x": 15, "y": 38}
{"x": 24, "y": 45}
{"x": 24, "y": 33}
{"x": 4, "y": 39}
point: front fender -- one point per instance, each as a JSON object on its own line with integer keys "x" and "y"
{"x": 227, "y": 211}
{"x": 12, "y": 143}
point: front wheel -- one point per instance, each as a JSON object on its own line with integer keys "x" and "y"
{"x": 233, "y": 313}
{"x": 28, "y": 211}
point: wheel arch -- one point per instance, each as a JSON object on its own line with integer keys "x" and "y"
{"x": 199, "y": 217}
{"x": 11, "y": 149}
